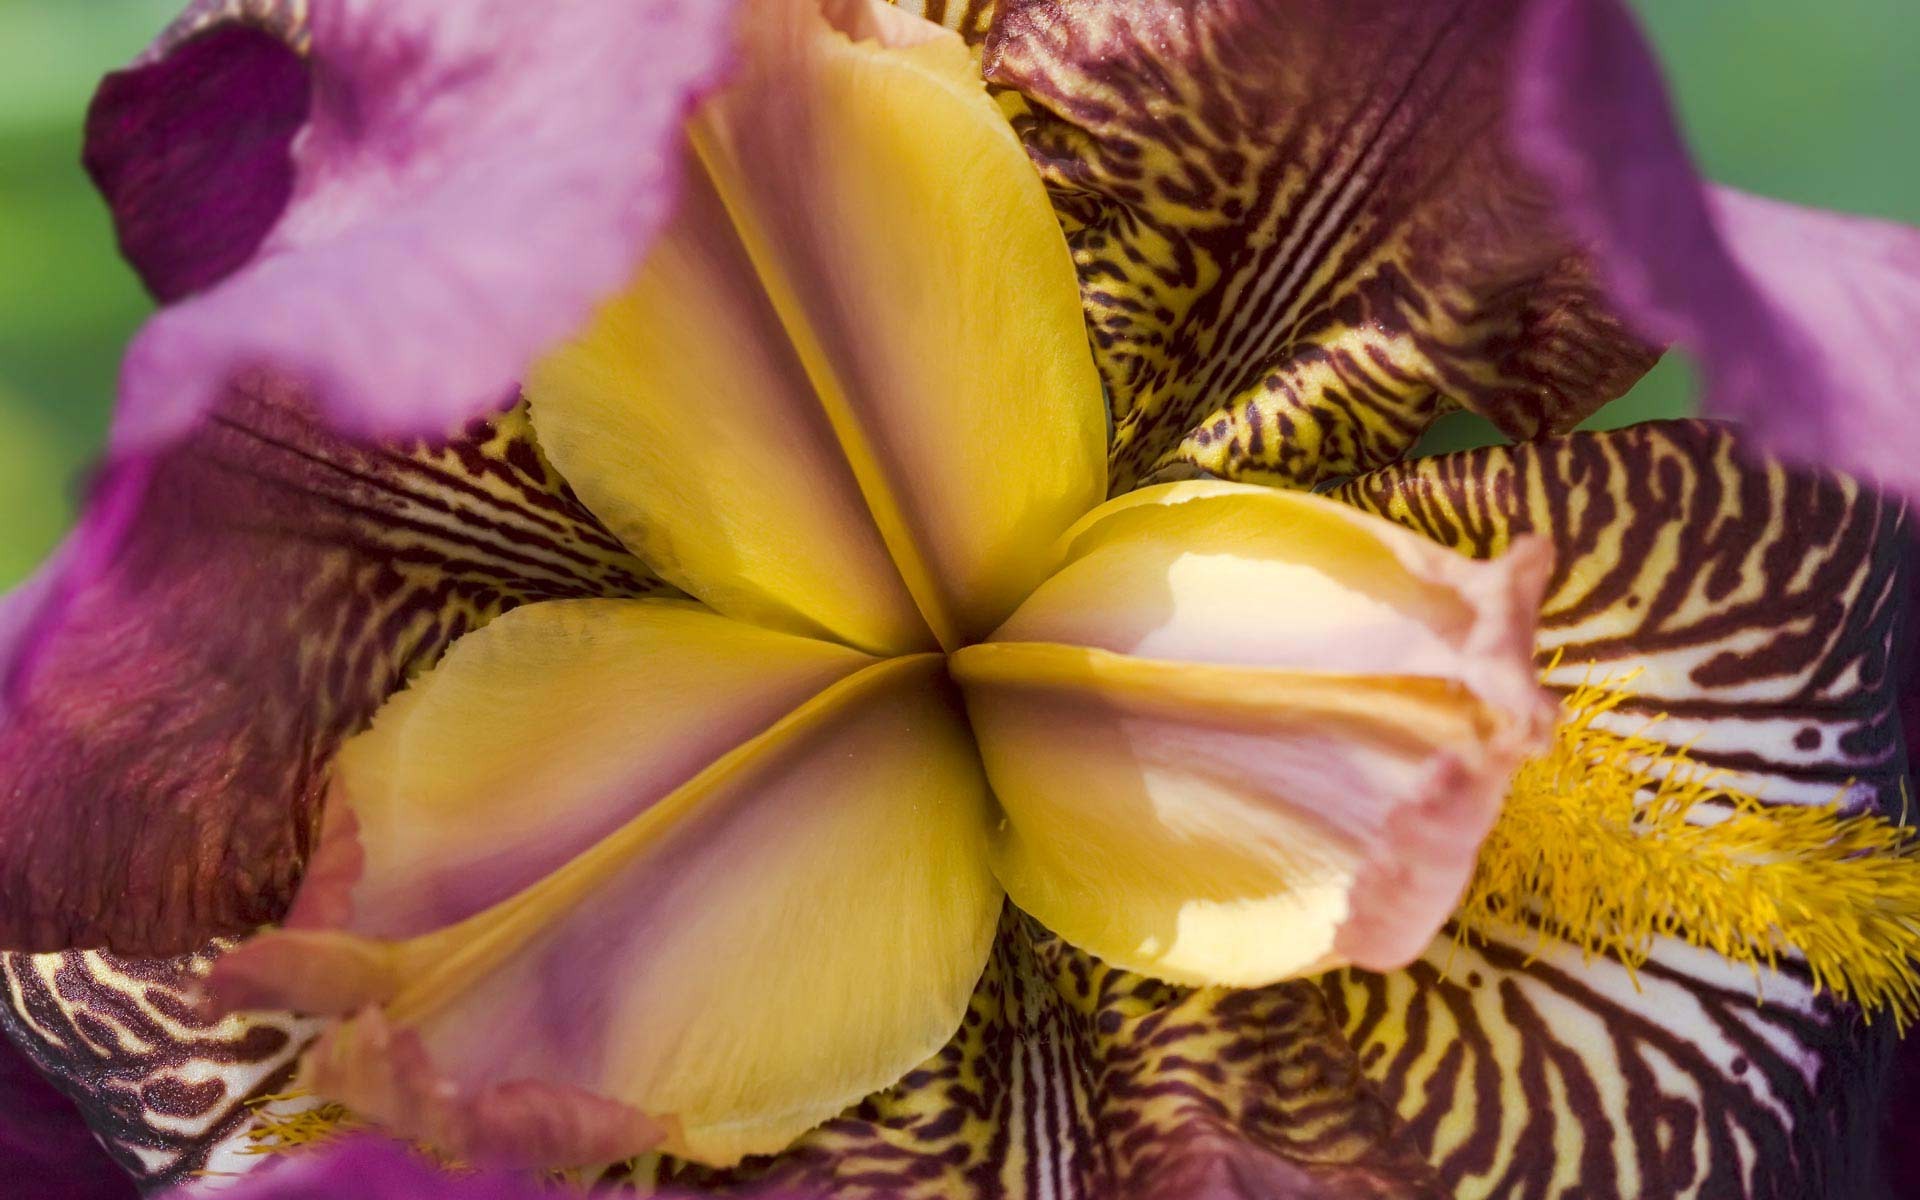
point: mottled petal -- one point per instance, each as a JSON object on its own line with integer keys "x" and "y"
{"x": 1801, "y": 320}
{"x": 809, "y": 406}
{"x": 1240, "y": 735}
{"x": 182, "y": 671}
{"x": 795, "y": 925}
{"x": 1762, "y": 603}
{"x": 467, "y": 183}
{"x": 171, "y": 1091}
{"x": 1299, "y": 231}
{"x": 1075, "y": 1079}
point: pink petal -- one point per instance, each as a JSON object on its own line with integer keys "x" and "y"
{"x": 469, "y": 181}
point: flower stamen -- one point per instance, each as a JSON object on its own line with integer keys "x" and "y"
{"x": 1609, "y": 841}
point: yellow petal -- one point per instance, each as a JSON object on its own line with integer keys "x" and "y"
{"x": 795, "y": 926}
{"x": 532, "y": 739}
{"x": 855, "y": 370}
{"x": 1243, "y": 735}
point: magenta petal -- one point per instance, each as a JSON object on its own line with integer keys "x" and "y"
{"x": 179, "y": 673}
{"x": 1803, "y": 320}
{"x": 46, "y": 1150}
{"x": 471, "y": 179}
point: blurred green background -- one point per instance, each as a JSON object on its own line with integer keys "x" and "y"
{"x": 1812, "y": 102}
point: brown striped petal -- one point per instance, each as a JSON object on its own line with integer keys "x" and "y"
{"x": 1075, "y": 1080}
{"x": 170, "y": 1091}
{"x": 1761, "y": 602}
{"x": 184, "y": 675}
{"x": 1299, "y": 231}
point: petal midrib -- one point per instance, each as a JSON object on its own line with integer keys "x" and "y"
{"x": 1421, "y": 708}
{"x": 878, "y": 489}
{"x": 461, "y": 954}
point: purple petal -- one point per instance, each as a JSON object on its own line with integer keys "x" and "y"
{"x": 1803, "y": 320}
{"x": 193, "y": 153}
{"x": 178, "y": 675}
{"x": 470, "y": 179}
{"x": 46, "y": 1150}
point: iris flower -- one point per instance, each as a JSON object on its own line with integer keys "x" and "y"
{"x": 870, "y": 702}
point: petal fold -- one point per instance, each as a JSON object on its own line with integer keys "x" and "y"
{"x": 860, "y": 345}
{"x": 1240, "y": 736}
{"x": 760, "y": 944}
{"x": 1801, "y": 319}
{"x": 192, "y": 148}
{"x": 464, "y": 185}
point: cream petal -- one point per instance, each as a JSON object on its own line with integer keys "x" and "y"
{"x": 1197, "y": 792}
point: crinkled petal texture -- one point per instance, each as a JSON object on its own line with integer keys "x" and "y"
{"x": 1300, "y": 233}
{"x": 1802, "y": 320}
{"x": 1241, "y": 735}
{"x": 1761, "y": 604}
{"x": 850, "y": 394}
{"x": 227, "y": 612}
{"x": 464, "y": 185}
{"x": 788, "y": 909}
